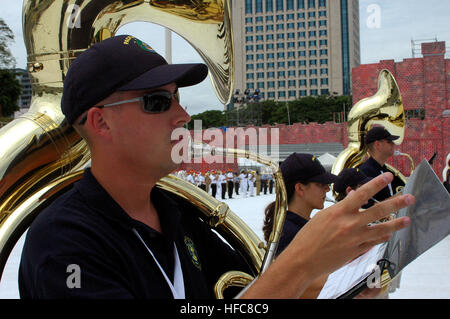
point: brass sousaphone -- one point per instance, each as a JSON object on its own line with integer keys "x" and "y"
{"x": 41, "y": 156}
{"x": 384, "y": 108}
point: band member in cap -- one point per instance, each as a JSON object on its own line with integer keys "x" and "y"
{"x": 349, "y": 179}
{"x": 114, "y": 234}
{"x": 307, "y": 183}
{"x": 381, "y": 147}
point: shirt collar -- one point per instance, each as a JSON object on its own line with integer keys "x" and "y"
{"x": 99, "y": 199}
{"x": 296, "y": 219}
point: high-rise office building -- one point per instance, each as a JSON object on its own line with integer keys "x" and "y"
{"x": 294, "y": 48}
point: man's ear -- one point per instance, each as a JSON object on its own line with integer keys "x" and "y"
{"x": 98, "y": 123}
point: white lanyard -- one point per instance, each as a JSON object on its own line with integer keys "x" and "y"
{"x": 177, "y": 287}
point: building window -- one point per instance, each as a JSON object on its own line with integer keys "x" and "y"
{"x": 270, "y": 56}
{"x": 290, "y": 16}
{"x": 311, "y": 24}
{"x": 249, "y": 66}
{"x": 269, "y": 6}
{"x": 249, "y": 38}
{"x": 280, "y": 55}
{"x": 249, "y": 57}
{"x": 323, "y": 33}
{"x": 259, "y": 38}
{"x": 323, "y": 52}
{"x": 259, "y": 47}
{"x": 312, "y": 82}
{"x": 280, "y": 36}
{"x": 280, "y": 26}
{"x": 270, "y": 65}
{"x": 311, "y": 4}
{"x": 322, "y": 13}
{"x": 415, "y": 114}
{"x": 281, "y": 64}
{"x": 291, "y": 93}
{"x": 322, "y": 3}
{"x": 259, "y": 66}
{"x": 323, "y": 61}
{"x": 281, "y": 74}
{"x": 303, "y": 93}
{"x": 248, "y": 29}
{"x": 324, "y": 92}
{"x": 322, "y": 23}
{"x": 281, "y": 94}
{"x": 323, "y": 71}
{"x": 269, "y": 37}
{"x": 324, "y": 81}
{"x": 312, "y": 14}
{"x": 281, "y": 84}
{"x": 250, "y": 76}
{"x": 269, "y": 18}
{"x": 300, "y": 4}
{"x": 302, "y": 82}
{"x": 313, "y": 72}
{"x": 302, "y": 44}
{"x": 271, "y": 95}
{"x": 280, "y": 5}
{"x": 302, "y": 72}
{"x": 259, "y": 28}
{"x": 280, "y": 45}
{"x": 271, "y": 75}
{"x": 271, "y": 84}
{"x": 291, "y": 73}
{"x": 258, "y": 6}
{"x": 248, "y": 7}
{"x": 250, "y": 85}
{"x": 289, "y": 4}
{"x": 260, "y": 56}
{"x": 302, "y": 63}
{"x": 313, "y": 92}
{"x": 300, "y": 25}
{"x": 259, "y": 19}
{"x": 312, "y": 52}
{"x": 269, "y": 27}
{"x": 292, "y": 83}
{"x": 301, "y": 35}
{"x": 291, "y": 64}
{"x": 248, "y": 20}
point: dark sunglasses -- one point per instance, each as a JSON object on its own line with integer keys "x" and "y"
{"x": 153, "y": 102}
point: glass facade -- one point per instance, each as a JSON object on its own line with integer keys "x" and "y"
{"x": 287, "y": 46}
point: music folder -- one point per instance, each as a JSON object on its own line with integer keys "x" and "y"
{"x": 430, "y": 223}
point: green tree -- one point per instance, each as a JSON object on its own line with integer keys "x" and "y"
{"x": 10, "y": 91}
{"x": 7, "y": 61}
{"x": 209, "y": 119}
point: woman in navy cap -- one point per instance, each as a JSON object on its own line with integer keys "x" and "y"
{"x": 307, "y": 183}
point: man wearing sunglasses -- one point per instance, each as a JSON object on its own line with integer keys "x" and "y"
{"x": 116, "y": 235}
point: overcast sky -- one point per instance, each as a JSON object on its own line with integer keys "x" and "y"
{"x": 387, "y": 27}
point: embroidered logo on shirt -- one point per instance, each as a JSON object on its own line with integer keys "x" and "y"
{"x": 193, "y": 252}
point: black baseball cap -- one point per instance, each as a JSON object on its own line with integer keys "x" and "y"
{"x": 350, "y": 177}
{"x": 378, "y": 133}
{"x": 120, "y": 63}
{"x": 304, "y": 168}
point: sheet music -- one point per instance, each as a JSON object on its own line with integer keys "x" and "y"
{"x": 430, "y": 223}
{"x": 351, "y": 274}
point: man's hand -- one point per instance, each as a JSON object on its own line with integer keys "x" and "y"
{"x": 330, "y": 239}
{"x": 341, "y": 232}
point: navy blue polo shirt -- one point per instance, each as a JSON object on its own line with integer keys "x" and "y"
{"x": 371, "y": 168}
{"x": 292, "y": 225}
{"x": 85, "y": 227}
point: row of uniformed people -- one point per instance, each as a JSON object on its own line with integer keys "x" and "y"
{"x": 218, "y": 182}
